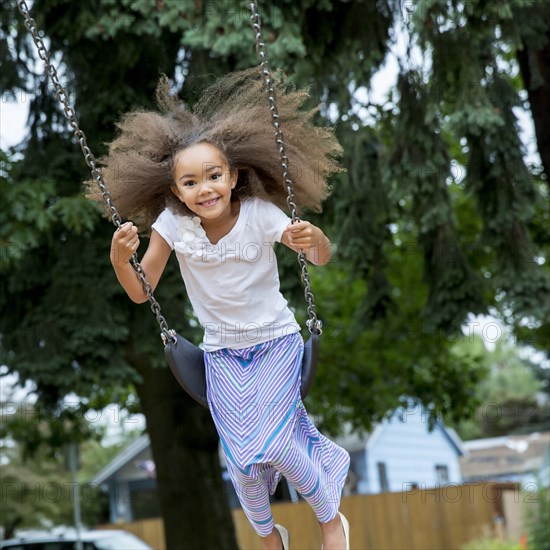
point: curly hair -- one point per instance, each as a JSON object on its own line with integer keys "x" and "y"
{"x": 232, "y": 115}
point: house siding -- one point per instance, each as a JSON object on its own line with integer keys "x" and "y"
{"x": 410, "y": 453}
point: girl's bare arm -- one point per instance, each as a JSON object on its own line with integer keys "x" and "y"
{"x": 125, "y": 243}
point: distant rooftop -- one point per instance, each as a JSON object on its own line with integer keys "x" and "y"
{"x": 506, "y": 455}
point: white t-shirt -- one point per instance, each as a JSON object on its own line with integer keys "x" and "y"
{"x": 233, "y": 285}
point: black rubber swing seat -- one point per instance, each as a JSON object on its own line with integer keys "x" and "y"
{"x": 186, "y": 361}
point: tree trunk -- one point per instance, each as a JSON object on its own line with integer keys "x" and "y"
{"x": 538, "y": 90}
{"x": 184, "y": 444}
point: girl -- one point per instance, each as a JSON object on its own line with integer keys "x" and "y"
{"x": 206, "y": 184}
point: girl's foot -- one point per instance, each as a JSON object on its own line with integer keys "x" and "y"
{"x": 335, "y": 533}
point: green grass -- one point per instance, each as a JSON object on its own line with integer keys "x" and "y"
{"x": 491, "y": 544}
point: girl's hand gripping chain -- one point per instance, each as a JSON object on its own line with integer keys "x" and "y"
{"x": 124, "y": 244}
{"x": 305, "y": 236}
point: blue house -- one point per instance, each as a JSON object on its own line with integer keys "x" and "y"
{"x": 400, "y": 454}
{"x": 130, "y": 481}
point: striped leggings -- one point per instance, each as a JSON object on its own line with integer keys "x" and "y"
{"x": 321, "y": 492}
{"x": 265, "y": 432}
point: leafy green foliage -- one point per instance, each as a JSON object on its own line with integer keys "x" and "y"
{"x": 492, "y": 544}
{"x": 35, "y": 492}
{"x": 386, "y": 361}
{"x": 507, "y": 397}
{"x": 476, "y": 92}
{"x": 35, "y": 483}
{"x": 419, "y": 168}
{"x": 537, "y": 521}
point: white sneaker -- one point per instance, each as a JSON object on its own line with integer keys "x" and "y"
{"x": 284, "y": 535}
{"x": 345, "y": 525}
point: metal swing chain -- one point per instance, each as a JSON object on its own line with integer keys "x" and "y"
{"x": 62, "y": 96}
{"x": 314, "y": 324}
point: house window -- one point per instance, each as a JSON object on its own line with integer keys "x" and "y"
{"x": 441, "y": 473}
{"x": 383, "y": 476}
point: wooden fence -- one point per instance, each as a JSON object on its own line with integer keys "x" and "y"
{"x": 431, "y": 519}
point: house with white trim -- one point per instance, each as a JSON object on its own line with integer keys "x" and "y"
{"x": 402, "y": 453}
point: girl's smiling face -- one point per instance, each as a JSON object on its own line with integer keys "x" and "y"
{"x": 203, "y": 181}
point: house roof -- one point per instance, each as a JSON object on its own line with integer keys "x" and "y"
{"x": 128, "y": 455}
{"x": 454, "y": 438}
{"x": 507, "y": 455}
{"x": 121, "y": 459}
